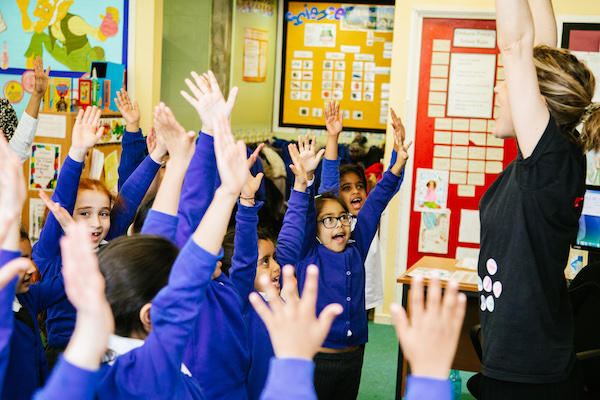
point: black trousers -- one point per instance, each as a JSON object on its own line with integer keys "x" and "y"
{"x": 52, "y": 354}
{"x": 337, "y": 375}
{"x": 570, "y": 388}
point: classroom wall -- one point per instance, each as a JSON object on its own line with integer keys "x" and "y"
{"x": 254, "y": 106}
{"x": 394, "y": 225}
{"x": 185, "y": 48}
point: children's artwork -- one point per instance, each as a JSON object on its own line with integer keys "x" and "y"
{"x": 37, "y": 208}
{"x": 43, "y": 171}
{"x": 111, "y": 173}
{"x": 434, "y": 232}
{"x": 593, "y": 168}
{"x": 113, "y": 130}
{"x": 62, "y": 94}
{"x": 431, "y": 190}
{"x": 320, "y": 35}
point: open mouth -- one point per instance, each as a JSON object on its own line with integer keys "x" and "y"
{"x": 356, "y": 203}
{"x": 275, "y": 281}
{"x": 95, "y": 236}
{"x": 339, "y": 238}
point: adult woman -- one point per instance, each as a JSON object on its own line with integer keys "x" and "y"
{"x": 529, "y": 215}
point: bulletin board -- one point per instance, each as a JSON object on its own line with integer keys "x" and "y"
{"x": 336, "y": 51}
{"x": 456, "y": 158}
{"x": 95, "y": 31}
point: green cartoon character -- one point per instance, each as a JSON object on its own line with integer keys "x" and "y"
{"x": 66, "y": 38}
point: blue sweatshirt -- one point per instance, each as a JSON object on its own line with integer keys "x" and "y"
{"x": 28, "y": 368}
{"x": 292, "y": 379}
{"x": 153, "y": 371}
{"x": 133, "y": 152}
{"x": 69, "y": 382}
{"x": 46, "y": 252}
{"x": 7, "y": 294}
{"x": 342, "y": 276}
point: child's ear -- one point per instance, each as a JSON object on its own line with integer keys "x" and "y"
{"x": 145, "y": 317}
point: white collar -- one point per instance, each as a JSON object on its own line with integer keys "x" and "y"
{"x": 102, "y": 243}
{"x": 119, "y": 345}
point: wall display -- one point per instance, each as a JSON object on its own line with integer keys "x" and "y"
{"x": 45, "y": 163}
{"x": 256, "y": 47}
{"x": 113, "y": 129}
{"x": 336, "y": 51}
{"x": 37, "y": 208}
{"x": 67, "y": 35}
{"x": 459, "y": 65}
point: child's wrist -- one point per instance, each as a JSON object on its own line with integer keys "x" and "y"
{"x": 78, "y": 153}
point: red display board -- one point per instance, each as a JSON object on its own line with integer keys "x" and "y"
{"x": 453, "y": 133}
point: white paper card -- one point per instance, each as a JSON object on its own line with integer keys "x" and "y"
{"x": 476, "y": 166}
{"x": 477, "y": 138}
{"x": 460, "y": 152}
{"x": 442, "y": 137}
{"x": 476, "y": 179}
{"x": 471, "y": 85}
{"x": 469, "y": 228}
{"x": 439, "y": 71}
{"x": 442, "y": 164}
{"x": 495, "y": 154}
{"x": 458, "y": 165}
{"x": 438, "y": 84}
{"x": 52, "y": 126}
{"x": 477, "y": 153}
{"x": 465, "y": 191}
{"x": 493, "y": 167}
{"x": 460, "y": 138}
{"x": 440, "y": 58}
{"x": 437, "y": 98}
{"x": 441, "y": 151}
{"x": 435, "y": 111}
{"x": 441, "y": 45}
{"x": 97, "y": 164}
{"x": 444, "y": 124}
{"x": 458, "y": 178}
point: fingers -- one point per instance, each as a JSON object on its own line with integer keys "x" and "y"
{"x": 309, "y": 292}
{"x": 232, "y": 97}
{"x": 416, "y": 297}
{"x": 320, "y": 154}
{"x": 255, "y": 154}
{"x": 289, "y": 289}
{"x": 313, "y": 144}
{"x": 12, "y": 269}
{"x": 261, "y": 308}
{"x": 327, "y": 316}
{"x": 400, "y": 320}
{"x": 434, "y": 294}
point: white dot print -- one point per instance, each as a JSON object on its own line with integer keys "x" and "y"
{"x": 490, "y": 303}
{"x": 479, "y": 283}
{"x": 497, "y": 288}
{"x": 482, "y": 303}
{"x": 487, "y": 284}
{"x": 492, "y": 266}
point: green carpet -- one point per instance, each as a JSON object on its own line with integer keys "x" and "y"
{"x": 378, "y": 379}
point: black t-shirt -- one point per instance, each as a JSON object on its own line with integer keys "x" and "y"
{"x": 529, "y": 218}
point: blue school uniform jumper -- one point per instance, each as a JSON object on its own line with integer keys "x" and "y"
{"x": 217, "y": 353}
{"x": 69, "y": 382}
{"x": 46, "y": 252}
{"x": 7, "y": 294}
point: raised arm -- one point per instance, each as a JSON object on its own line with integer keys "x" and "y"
{"x": 526, "y": 106}
{"x": 133, "y": 143}
{"x": 21, "y": 141}
{"x": 330, "y": 175}
{"x": 85, "y": 135}
{"x": 544, "y": 23}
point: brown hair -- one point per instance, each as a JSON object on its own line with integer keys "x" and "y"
{"x": 568, "y": 86}
{"x": 328, "y": 196}
{"x": 116, "y": 202}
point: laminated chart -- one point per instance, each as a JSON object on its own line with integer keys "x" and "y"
{"x": 335, "y": 51}
{"x": 459, "y": 67}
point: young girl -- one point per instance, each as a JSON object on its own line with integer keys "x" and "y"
{"x": 89, "y": 201}
{"x": 342, "y": 278}
{"x": 350, "y": 183}
{"x": 529, "y": 215}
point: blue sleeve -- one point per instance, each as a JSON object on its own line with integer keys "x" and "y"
{"x": 133, "y": 152}
{"x": 291, "y": 235}
{"x": 290, "y": 379}
{"x": 48, "y": 246}
{"x": 160, "y": 224}
{"x": 310, "y": 226}
{"x": 131, "y": 195}
{"x": 245, "y": 251}
{"x": 423, "y": 388}
{"x": 7, "y": 294}
{"x": 392, "y": 162}
{"x": 261, "y": 193}
{"x": 174, "y": 313}
{"x": 330, "y": 177}
{"x": 370, "y": 213}
{"x": 198, "y": 188}
{"x": 69, "y": 381}
{"x": 47, "y": 293}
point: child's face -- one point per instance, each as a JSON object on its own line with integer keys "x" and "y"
{"x": 93, "y": 207}
{"x": 25, "y": 247}
{"x": 267, "y": 265}
{"x": 336, "y": 238}
{"x": 25, "y": 279}
{"x": 353, "y": 192}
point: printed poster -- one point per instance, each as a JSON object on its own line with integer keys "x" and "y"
{"x": 37, "y": 209}
{"x": 256, "y": 47}
{"x": 434, "y": 232}
{"x": 44, "y": 167}
{"x": 431, "y": 190}
{"x": 319, "y": 35}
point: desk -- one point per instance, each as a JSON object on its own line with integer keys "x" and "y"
{"x": 466, "y": 359}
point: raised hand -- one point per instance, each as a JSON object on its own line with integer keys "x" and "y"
{"x": 208, "y": 99}
{"x": 180, "y": 143}
{"x": 399, "y": 146}
{"x": 255, "y": 154}
{"x": 86, "y": 133}
{"x": 12, "y": 187}
{"x": 398, "y": 127}
{"x": 41, "y": 77}
{"x": 310, "y": 159}
{"x": 293, "y": 327}
{"x": 130, "y": 111}
{"x": 231, "y": 157}
{"x": 62, "y": 216}
{"x": 333, "y": 118}
{"x": 429, "y": 339}
{"x": 298, "y": 168}
{"x": 12, "y": 269}
{"x": 85, "y": 288}
{"x": 151, "y": 139}
{"x": 250, "y": 188}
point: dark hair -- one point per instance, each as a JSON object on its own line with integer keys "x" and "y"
{"x": 23, "y": 233}
{"x": 354, "y": 169}
{"x": 328, "y": 196}
{"x": 135, "y": 269}
{"x": 264, "y": 233}
{"x": 142, "y": 212}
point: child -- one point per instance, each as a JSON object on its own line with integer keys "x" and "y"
{"x": 350, "y": 183}
{"x": 342, "y": 278}
{"x": 87, "y": 200}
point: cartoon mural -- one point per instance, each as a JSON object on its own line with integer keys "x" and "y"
{"x": 65, "y": 35}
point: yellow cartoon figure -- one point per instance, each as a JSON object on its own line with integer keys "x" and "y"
{"x": 66, "y": 38}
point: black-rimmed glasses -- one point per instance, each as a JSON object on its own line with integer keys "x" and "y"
{"x": 331, "y": 222}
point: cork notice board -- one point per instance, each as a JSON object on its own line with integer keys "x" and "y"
{"x": 336, "y": 51}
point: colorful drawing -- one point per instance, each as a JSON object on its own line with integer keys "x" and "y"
{"x": 43, "y": 172}
{"x": 66, "y": 38}
{"x": 434, "y": 232}
{"x": 431, "y": 190}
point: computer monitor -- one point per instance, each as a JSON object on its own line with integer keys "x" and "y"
{"x": 588, "y": 236}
